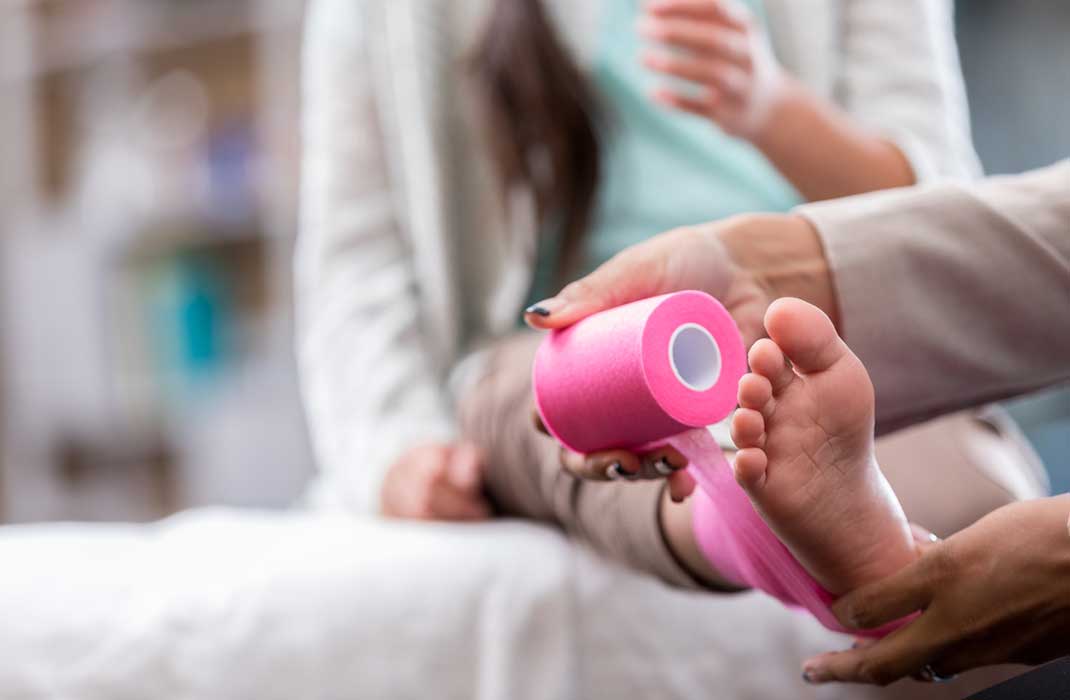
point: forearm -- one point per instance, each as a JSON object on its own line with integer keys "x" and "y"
{"x": 823, "y": 153}
{"x": 954, "y": 295}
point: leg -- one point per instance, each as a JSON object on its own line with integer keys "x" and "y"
{"x": 951, "y": 471}
{"x": 524, "y": 478}
{"x": 805, "y": 432}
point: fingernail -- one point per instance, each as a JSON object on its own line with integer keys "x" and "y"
{"x": 933, "y": 537}
{"x": 663, "y": 467}
{"x": 616, "y": 471}
{"x": 813, "y": 676}
{"x": 545, "y": 307}
{"x": 806, "y": 676}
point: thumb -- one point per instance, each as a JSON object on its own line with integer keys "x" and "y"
{"x": 633, "y": 274}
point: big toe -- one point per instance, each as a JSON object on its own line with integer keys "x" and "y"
{"x": 804, "y": 333}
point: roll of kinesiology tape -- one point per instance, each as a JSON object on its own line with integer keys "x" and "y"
{"x": 656, "y": 372}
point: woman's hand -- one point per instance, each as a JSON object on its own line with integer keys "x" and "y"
{"x": 745, "y": 262}
{"x": 696, "y": 257}
{"x": 722, "y": 48}
{"x": 436, "y": 482}
{"x": 996, "y": 592}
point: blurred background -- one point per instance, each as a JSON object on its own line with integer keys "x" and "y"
{"x": 148, "y": 211}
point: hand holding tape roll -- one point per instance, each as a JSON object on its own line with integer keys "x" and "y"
{"x": 659, "y": 371}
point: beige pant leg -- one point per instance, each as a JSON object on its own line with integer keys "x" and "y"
{"x": 950, "y": 471}
{"x": 524, "y": 477}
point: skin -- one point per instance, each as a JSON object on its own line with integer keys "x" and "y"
{"x": 996, "y": 592}
{"x": 720, "y": 47}
{"x": 805, "y": 438}
{"x": 436, "y": 481}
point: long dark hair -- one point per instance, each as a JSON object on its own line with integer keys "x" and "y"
{"x": 543, "y": 118}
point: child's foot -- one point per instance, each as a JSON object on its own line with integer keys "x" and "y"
{"x": 805, "y": 433}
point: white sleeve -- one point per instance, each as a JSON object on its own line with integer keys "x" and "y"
{"x": 900, "y": 76}
{"x": 370, "y": 386}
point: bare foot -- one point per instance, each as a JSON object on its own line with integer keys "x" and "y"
{"x": 805, "y": 433}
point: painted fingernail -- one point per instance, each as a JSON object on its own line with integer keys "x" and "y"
{"x": 813, "y": 676}
{"x": 928, "y": 674}
{"x": 663, "y": 467}
{"x": 545, "y": 307}
{"x": 808, "y": 677}
{"x": 617, "y": 471}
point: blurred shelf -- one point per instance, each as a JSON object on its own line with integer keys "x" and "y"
{"x": 72, "y": 34}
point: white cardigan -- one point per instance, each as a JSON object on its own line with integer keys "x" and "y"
{"x": 406, "y": 261}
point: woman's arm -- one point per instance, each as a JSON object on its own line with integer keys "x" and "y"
{"x": 899, "y": 116}
{"x": 370, "y": 389}
{"x": 824, "y": 153}
{"x": 953, "y": 295}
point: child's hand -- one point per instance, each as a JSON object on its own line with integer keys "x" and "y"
{"x": 718, "y": 45}
{"x": 436, "y": 482}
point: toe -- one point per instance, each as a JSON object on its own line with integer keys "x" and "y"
{"x": 754, "y": 391}
{"x": 748, "y": 428}
{"x": 767, "y": 360}
{"x": 805, "y": 334}
{"x": 749, "y": 468}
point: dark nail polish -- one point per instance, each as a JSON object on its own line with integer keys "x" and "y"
{"x": 664, "y": 467}
{"x": 808, "y": 677}
{"x": 537, "y": 310}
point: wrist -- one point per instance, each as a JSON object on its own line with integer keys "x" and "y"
{"x": 784, "y": 256}
{"x": 788, "y": 97}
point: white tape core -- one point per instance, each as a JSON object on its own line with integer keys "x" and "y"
{"x": 694, "y": 357}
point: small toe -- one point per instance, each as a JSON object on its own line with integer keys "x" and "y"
{"x": 749, "y": 468}
{"x": 754, "y": 391}
{"x": 748, "y": 428}
{"x": 766, "y": 359}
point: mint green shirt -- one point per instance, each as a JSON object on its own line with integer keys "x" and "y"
{"x": 661, "y": 168}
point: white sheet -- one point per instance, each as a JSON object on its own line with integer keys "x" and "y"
{"x": 231, "y": 604}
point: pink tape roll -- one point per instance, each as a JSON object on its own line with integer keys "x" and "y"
{"x": 640, "y": 372}
{"x": 652, "y": 372}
